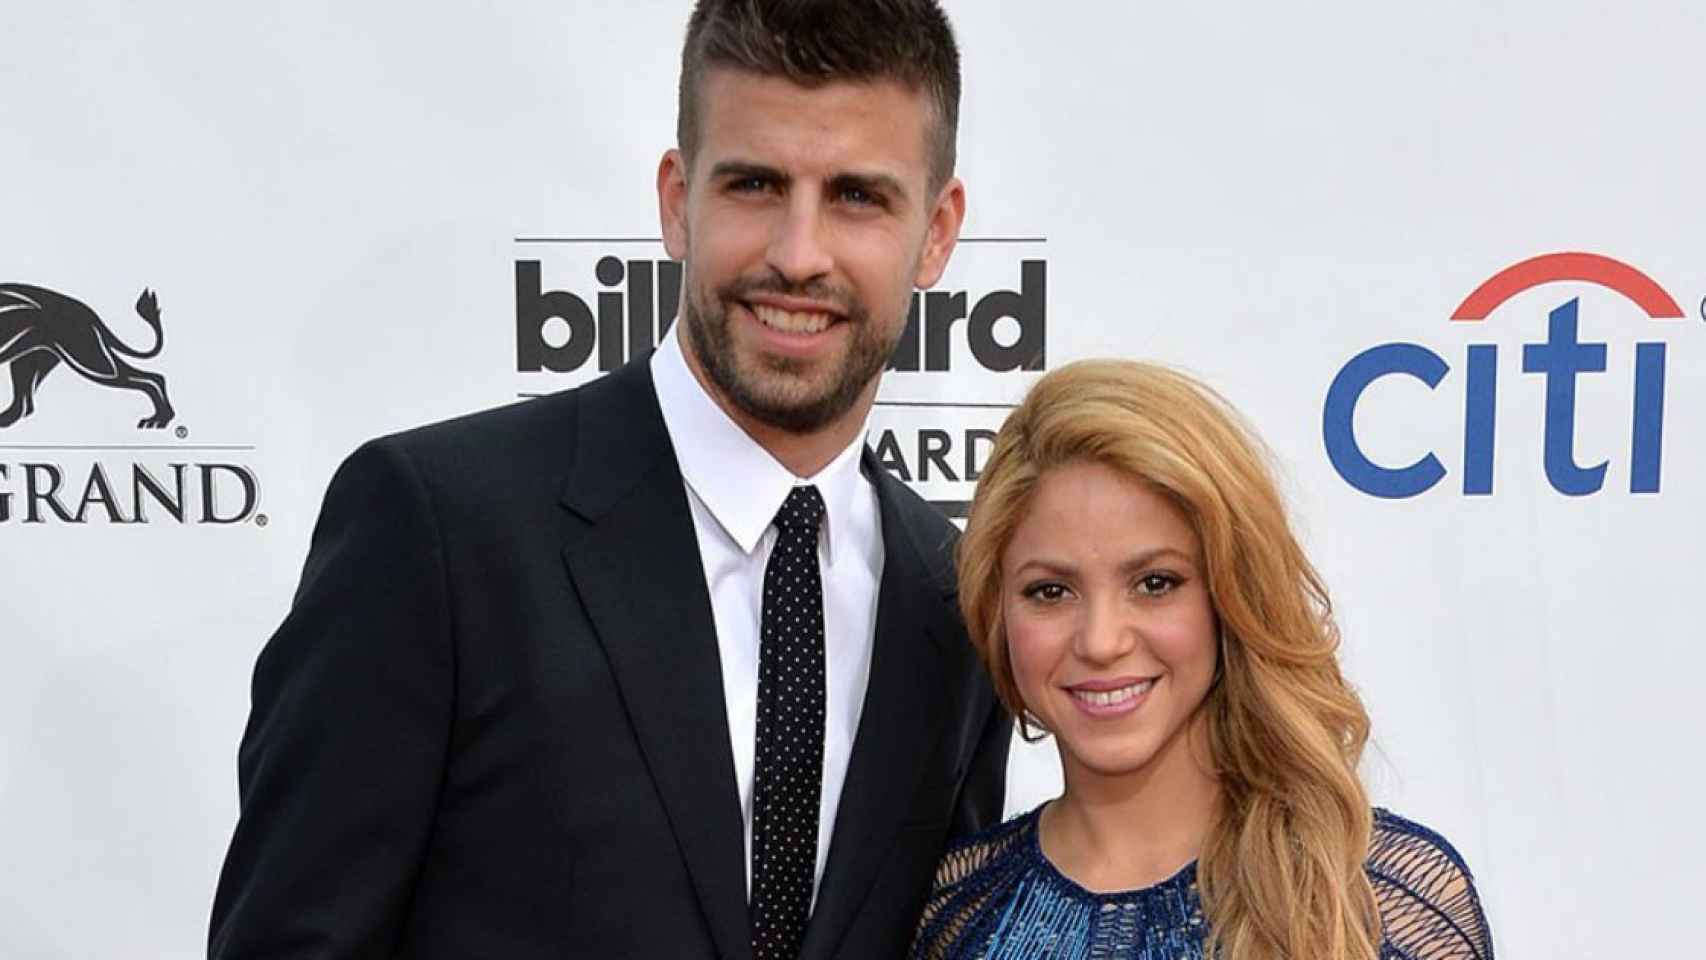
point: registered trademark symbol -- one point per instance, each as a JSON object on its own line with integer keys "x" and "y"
{"x": 260, "y": 519}
{"x": 182, "y": 432}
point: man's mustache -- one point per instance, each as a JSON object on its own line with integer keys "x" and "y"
{"x": 744, "y": 287}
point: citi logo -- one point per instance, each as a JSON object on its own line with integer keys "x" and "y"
{"x": 637, "y": 300}
{"x": 1560, "y": 359}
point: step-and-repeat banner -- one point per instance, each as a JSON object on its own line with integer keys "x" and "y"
{"x": 1448, "y": 258}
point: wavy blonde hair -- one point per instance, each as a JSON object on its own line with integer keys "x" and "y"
{"x": 1281, "y": 871}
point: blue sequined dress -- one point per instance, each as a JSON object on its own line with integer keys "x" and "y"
{"x": 998, "y": 898}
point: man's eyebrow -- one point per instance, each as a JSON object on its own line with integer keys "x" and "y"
{"x": 870, "y": 182}
{"x": 742, "y": 170}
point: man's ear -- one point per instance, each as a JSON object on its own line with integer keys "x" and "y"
{"x": 942, "y": 234}
{"x": 672, "y": 203}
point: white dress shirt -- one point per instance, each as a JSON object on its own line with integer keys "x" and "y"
{"x": 734, "y": 488}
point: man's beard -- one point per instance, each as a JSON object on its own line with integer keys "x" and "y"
{"x": 777, "y": 393}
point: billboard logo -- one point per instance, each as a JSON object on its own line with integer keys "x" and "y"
{"x": 926, "y": 342}
{"x": 1560, "y": 360}
{"x": 637, "y": 300}
{"x": 40, "y": 329}
{"x": 586, "y": 305}
{"x": 625, "y": 306}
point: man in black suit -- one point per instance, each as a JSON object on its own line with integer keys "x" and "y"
{"x": 663, "y": 666}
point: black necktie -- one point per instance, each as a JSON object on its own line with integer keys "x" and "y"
{"x": 788, "y": 763}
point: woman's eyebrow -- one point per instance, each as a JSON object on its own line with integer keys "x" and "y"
{"x": 1148, "y": 557}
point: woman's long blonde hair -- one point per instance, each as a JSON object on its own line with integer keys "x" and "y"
{"x": 1281, "y": 871}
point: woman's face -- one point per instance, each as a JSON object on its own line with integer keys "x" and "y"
{"x": 1110, "y": 628}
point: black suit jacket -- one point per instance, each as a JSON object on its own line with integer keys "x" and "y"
{"x": 492, "y": 724}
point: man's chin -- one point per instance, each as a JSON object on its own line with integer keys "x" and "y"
{"x": 791, "y": 393}
{"x": 794, "y": 410}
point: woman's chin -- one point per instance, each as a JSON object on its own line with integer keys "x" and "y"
{"x": 1107, "y": 759}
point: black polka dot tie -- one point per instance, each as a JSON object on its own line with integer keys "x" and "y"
{"x": 788, "y": 765}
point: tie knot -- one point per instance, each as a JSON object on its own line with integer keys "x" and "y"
{"x": 802, "y": 511}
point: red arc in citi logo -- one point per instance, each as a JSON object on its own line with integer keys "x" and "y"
{"x": 1560, "y": 358}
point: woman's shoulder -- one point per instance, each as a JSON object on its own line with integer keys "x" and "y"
{"x": 969, "y": 880}
{"x": 1429, "y": 908}
{"x": 978, "y": 852}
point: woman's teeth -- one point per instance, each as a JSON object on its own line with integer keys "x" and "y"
{"x": 1107, "y": 698}
{"x": 789, "y": 321}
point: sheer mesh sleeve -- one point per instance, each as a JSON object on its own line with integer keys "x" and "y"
{"x": 1425, "y": 895}
{"x": 965, "y": 880}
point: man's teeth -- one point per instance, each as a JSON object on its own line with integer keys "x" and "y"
{"x": 789, "y": 321}
{"x": 1107, "y": 698}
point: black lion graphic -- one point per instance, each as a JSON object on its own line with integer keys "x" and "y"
{"x": 39, "y": 328}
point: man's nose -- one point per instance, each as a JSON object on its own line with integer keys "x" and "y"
{"x": 798, "y": 250}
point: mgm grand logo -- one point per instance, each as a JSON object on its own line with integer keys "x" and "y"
{"x": 42, "y": 330}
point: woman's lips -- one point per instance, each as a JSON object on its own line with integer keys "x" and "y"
{"x": 1100, "y": 698}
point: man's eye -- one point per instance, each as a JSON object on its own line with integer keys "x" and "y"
{"x": 749, "y": 185}
{"x": 1156, "y": 584}
{"x": 859, "y": 196}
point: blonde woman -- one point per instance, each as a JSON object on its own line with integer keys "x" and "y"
{"x": 1131, "y": 581}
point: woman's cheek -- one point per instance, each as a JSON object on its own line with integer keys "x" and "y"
{"x": 1033, "y": 649}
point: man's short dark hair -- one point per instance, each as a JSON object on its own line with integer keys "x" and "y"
{"x": 814, "y": 42}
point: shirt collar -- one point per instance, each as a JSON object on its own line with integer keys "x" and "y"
{"x": 738, "y": 481}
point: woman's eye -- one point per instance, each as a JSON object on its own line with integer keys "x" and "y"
{"x": 1046, "y": 592}
{"x": 1156, "y": 584}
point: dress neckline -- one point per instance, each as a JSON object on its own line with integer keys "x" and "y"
{"x": 1164, "y": 891}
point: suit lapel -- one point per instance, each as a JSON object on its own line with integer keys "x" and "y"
{"x": 635, "y": 564}
{"x": 898, "y": 727}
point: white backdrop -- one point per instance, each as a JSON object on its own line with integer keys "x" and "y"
{"x": 327, "y": 197}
